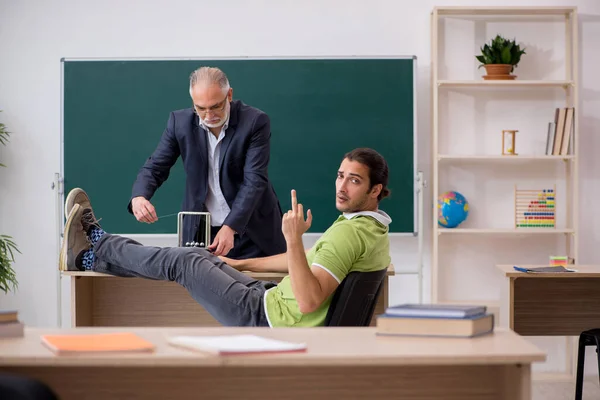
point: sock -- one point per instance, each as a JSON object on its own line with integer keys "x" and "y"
{"x": 95, "y": 234}
{"x": 85, "y": 260}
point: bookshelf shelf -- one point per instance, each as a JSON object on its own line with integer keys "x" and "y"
{"x": 503, "y": 231}
{"x": 516, "y": 83}
{"x": 513, "y": 11}
{"x": 502, "y": 159}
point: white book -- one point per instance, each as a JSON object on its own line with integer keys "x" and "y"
{"x": 568, "y": 136}
{"x": 550, "y": 138}
{"x": 235, "y": 344}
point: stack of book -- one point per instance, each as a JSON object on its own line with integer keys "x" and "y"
{"x": 10, "y": 326}
{"x": 441, "y": 320}
{"x": 560, "y": 136}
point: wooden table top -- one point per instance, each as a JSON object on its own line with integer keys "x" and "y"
{"x": 583, "y": 271}
{"x": 326, "y": 347}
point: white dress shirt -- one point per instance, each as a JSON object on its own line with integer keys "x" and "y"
{"x": 215, "y": 201}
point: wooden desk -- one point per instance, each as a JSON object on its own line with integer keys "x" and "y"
{"x": 559, "y": 304}
{"x": 343, "y": 363}
{"x": 105, "y": 300}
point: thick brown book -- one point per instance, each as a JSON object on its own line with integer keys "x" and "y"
{"x": 9, "y": 316}
{"x": 12, "y": 329}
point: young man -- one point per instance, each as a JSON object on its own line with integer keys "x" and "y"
{"x": 356, "y": 241}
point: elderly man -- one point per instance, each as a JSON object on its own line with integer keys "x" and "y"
{"x": 225, "y": 148}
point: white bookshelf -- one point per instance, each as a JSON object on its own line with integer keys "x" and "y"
{"x": 564, "y": 169}
{"x": 504, "y": 231}
{"x": 442, "y": 82}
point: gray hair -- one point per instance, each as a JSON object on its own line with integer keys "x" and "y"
{"x": 209, "y": 76}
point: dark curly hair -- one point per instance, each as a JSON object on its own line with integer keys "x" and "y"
{"x": 378, "y": 168}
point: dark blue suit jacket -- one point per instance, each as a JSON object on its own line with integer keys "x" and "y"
{"x": 244, "y": 160}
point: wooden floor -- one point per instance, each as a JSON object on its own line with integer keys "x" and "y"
{"x": 544, "y": 390}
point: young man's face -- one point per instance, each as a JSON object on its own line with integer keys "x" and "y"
{"x": 352, "y": 188}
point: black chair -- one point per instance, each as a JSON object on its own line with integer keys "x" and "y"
{"x": 354, "y": 300}
{"x": 586, "y": 338}
{"x": 16, "y": 387}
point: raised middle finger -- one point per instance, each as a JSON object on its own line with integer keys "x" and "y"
{"x": 294, "y": 201}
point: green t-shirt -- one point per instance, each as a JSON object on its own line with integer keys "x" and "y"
{"x": 355, "y": 242}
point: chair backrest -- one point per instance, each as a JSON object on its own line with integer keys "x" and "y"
{"x": 354, "y": 300}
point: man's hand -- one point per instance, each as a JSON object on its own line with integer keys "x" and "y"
{"x": 293, "y": 224}
{"x": 223, "y": 241}
{"x": 143, "y": 210}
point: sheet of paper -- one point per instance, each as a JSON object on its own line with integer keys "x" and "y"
{"x": 235, "y": 344}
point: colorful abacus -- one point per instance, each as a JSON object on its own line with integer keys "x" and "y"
{"x": 535, "y": 208}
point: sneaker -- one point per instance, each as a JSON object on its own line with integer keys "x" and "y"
{"x": 74, "y": 240}
{"x": 89, "y": 221}
{"x": 77, "y": 196}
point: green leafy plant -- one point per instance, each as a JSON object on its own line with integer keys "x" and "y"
{"x": 501, "y": 51}
{"x": 3, "y": 137}
{"x": 8, "y": 277}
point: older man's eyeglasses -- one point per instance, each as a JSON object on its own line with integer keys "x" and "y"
{"x": 213, "y": 109}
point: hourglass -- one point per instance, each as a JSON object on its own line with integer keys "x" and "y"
{"x": 508, "y": 143}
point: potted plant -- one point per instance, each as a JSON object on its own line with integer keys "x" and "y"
{"x": 500, "y": 58}
{"x": 8, "y": 278}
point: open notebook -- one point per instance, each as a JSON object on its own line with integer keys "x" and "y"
{"x": 235, "y": 344}
{"x": 556, "y": 268}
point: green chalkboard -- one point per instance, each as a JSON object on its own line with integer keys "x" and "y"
{"x": 114, "y": 112}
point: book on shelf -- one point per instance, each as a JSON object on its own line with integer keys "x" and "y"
{"x": 561, "y": 132}
{"x": 235, "y": 344}
{"x": 118, "y": 342}
{"x": 466, "y": 327}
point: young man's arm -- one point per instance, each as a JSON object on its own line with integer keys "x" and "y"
{"x": 276, "y": 263}
{"x": 311, "y": 286}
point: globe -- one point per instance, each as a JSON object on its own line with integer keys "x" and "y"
{"x": 453, "y": 209}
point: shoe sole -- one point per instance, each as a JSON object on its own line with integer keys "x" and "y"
{"x": 70, "y": 201}
{"x": 62, "y": 262}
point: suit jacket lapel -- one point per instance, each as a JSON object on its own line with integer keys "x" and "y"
{"x": 203, "y": 144}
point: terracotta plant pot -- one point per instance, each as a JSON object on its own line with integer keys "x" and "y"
{"x": 498, "y": 71}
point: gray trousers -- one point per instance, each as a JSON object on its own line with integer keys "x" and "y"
{"x": 231, "y": 297}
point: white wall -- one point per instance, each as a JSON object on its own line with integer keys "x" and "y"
{"x": 35, "y": 35}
